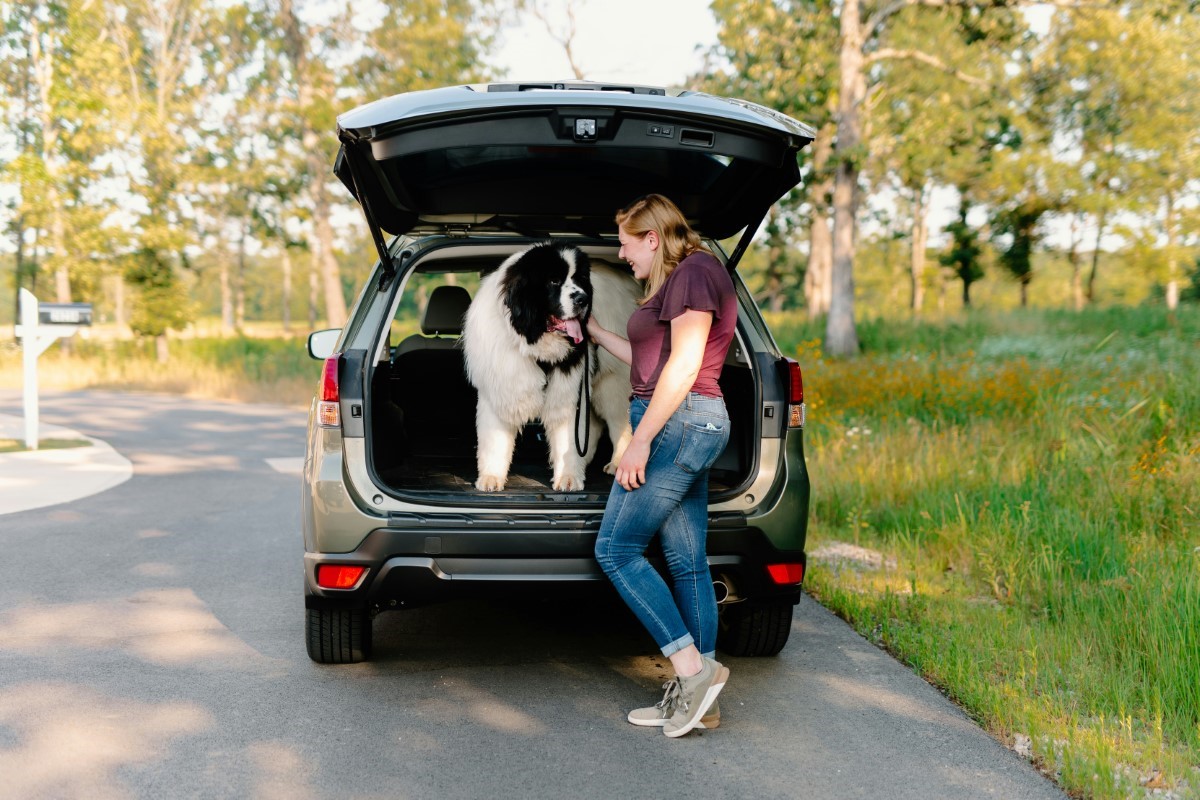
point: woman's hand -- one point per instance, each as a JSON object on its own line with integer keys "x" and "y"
{"x": 594, "y": 329}
{"x": 610, "y": 341}
{"x": 631, "y": 470}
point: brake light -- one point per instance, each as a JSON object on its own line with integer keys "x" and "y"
{"x": 795, "y": 392}
{"x": 784, "y": 574}
{"x": 338, "y": 576}
{"x": 795, "y": 381}
{"x": 328, "y": 406}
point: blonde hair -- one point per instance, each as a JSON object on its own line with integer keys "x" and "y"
{"x": 676, "y": 239}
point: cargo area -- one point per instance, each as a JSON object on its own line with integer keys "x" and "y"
{"x": 421, "y": 409}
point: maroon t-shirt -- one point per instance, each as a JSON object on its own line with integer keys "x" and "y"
{"x": 700, "y": 283}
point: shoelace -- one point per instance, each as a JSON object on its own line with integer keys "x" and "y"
{"x": 672, "y": 695}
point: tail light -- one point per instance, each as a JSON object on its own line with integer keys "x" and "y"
{"x": 339, "y": 576}
{"x": 786, "y": 574}
{"x": 329, "y": 413}
{"x": 795, "y": 392}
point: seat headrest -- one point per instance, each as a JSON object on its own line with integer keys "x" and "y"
{"x": 445, "y": 310}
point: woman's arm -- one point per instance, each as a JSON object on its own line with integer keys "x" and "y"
{"x": 689, "y": 335}
{"x": 610, "y": 341}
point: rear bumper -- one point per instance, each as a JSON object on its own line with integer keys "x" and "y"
{"x": 408, "y": 568}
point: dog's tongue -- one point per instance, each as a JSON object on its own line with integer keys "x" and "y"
{"x": 571, "y": 328}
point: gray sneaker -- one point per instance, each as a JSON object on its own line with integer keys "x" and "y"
{"x": 696, "y": 696}
{"x": 656, "y": 716}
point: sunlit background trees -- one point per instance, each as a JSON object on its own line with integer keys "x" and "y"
{"x": 169, "y": 162}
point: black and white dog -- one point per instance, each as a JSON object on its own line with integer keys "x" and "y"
{"x": 525, "y": 339}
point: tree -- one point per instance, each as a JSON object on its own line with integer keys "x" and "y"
{"x": 419, "y": 44}
{"x": 562, "y": 33}
{"x": 1017, "y": 229}
{"x": 62, "y": 76}
{"x": 779, "y": 53}
{"x": 161, "y": 44}
{"x": 964, "y": 255}
{"x": 1119, "y": 80}
{"x": 1162, "y": 44}
{"x": 869, "y": 33}
{"x": 312, "y": 121}
{"x": 941, "y": 120}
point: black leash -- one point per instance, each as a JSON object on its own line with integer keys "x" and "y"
{"x": 585, "y": 398}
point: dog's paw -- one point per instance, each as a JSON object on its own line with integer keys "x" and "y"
{"x": 610, "y": 468}
{"x": 490, "y": 483}
{"x": 568, "y": 483}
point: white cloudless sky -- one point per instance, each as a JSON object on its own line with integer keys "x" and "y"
{"x": 649, "y": 42}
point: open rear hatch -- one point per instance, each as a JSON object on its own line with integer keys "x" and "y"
{"x": 542, "y": 159}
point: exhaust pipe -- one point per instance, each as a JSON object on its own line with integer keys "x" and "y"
{"x": 721, "y": 589}
{"x": 725, "y": 591}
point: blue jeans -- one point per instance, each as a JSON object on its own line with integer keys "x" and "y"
{"x": 672, "y": 502}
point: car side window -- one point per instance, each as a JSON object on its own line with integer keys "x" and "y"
{"x": 414, "y": 300}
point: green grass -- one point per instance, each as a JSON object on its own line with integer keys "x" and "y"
{"x": 1036, "y": 479}
{"x": 18, "y": 445}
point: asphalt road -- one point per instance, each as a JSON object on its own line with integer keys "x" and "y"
{"x": 151, "y": 645}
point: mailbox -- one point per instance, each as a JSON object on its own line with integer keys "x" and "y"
{"x": 64, "y": 313}
{"x": 41, "y": 325}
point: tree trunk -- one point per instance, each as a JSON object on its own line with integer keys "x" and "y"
{"x": 62, "y": 280}
{"x": 227, "y": 323}
{"x": 776, "y": 255}
{"x": 966, "y": 295}
{"x": 285, "y": 309}
{"x": 1024, "y": 293}
{"x": 1172, "y": 256}
{"x": 920, "y": 242}
{"x": 18, "y": 264}
{"x": 239, "y": 283}
{"x": 120, "y": 311}
{"x": 775, "y": 292}
{"x": 841, "y": 339}
{"x": 162, "y": 348}
{"x": 1077, "y": 298}
{"x": 331, "y": 278}
{"x": 818, "y": 277}
{"x": 314, "y": 289}
{"x": 1090, "y": 293}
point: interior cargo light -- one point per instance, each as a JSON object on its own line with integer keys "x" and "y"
{"x": 338, "y": 576}
{"x": 328, "y": 407}
{"x": 784, "y": 574}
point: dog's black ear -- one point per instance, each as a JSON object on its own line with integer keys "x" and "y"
{"x": 526, "y": 306}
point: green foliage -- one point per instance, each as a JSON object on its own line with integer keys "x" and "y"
{"x": 1034, "y": 478}
{"x": 161, "y": 304}
{"x": 965, "y": 253}
{"x": 1191, "y": 292}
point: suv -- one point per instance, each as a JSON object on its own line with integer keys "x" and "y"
{"x": 463, "y": 177}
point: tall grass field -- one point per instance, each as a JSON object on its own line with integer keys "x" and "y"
{"x": 1007, "y": 503}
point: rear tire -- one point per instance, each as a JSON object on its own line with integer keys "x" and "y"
{"x": 338, "y": 636}
{"x": 755, "y": 630}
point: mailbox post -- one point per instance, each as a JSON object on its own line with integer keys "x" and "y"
{"x": 42, "y": 324}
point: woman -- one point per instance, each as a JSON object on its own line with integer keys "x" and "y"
{"x": 678, "y": 338}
